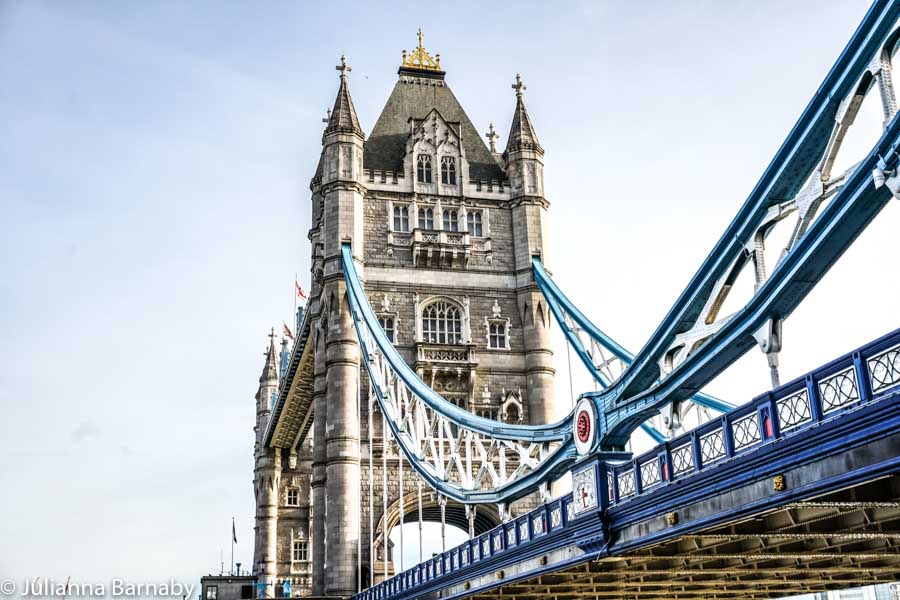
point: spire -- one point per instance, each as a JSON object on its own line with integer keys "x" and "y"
{"x": 492, "y": 136}
{"x": 270, "y": 370}
{"x": 521, "y": 132}
{"x": 342, "y": 117}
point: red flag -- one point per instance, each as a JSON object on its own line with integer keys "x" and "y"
{"x": 300, "y": 291}
{"x": 287, "y": 330}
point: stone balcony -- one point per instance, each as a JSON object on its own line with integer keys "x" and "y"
{"x": 431, "y": 248}
{"x": 449, "y": 369}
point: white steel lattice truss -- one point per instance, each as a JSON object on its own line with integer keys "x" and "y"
{"x": 446, "y": 450}
{"x": 610, "y": 367}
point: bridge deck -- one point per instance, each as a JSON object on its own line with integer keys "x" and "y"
{"x": 808, "y": 499}
{"x": 839, "y": 540}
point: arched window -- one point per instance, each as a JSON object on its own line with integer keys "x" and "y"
{"x": 450, "y": 220}
{"x": 512, "y": 414}
{"x": 387, "y": 323}
{"x": 473, "y": 222}
{"x": 441, "y": 323}
{"x": 426, "y": 218}
{"x": 497, "y": 334}
{"x": 423, "y": 168}
{"x": 448, "y": 170}
{"x": 401, "y": 218}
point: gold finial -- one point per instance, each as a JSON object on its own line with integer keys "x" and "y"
{"x": 419, "y": 58}
{"x": 519, "y": 86}
{"x": 343, "y": 67}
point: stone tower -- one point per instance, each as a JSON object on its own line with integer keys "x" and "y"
{"x": 442, "y": 229}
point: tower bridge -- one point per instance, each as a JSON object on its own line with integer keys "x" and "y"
{"x": 420, "y": 385}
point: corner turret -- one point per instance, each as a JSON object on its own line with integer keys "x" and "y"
{"x": 524, "y": 155}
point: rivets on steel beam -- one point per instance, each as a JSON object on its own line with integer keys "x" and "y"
{"x": 543, "y": 560}
{"x": 672, "y": 518}
{"x": 501, "y": 574}
{"x": 778, "y": 483}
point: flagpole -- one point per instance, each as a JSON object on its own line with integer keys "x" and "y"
{"x": 294, "y": 316}
{"x": 233, "y": 533}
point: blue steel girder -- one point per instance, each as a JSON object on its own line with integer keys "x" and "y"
{"x": 560, "y": 305}
{"x": 420, "y": 419}
{"x": 852, "y": 208}
{"x": 644, "y": 388}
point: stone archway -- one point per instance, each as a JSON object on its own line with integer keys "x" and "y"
{"x": 486, "y": 518}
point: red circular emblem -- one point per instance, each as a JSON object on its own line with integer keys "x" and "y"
{"x": 583, "y": 426}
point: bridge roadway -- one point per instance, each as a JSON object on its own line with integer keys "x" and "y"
{"x": 794, "y": 492}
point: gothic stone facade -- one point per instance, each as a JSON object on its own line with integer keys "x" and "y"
{"x": 443, "y": 228}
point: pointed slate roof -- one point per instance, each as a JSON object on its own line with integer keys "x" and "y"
{"x": 414, "y": 96}
{"x": 521, "y": 132}
{"x": 343, "y": 115}
{"x": 270, "y": 369}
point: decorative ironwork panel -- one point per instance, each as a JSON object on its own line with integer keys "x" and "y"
{"x": 794, "y": 410}
{"x": 570, "y": 511}
{"x": 476, "y": 552}
{"x": 626, "y": 483}
{"x": 884, "y": 369}
{"x": 498, "y": 543}
{"x": 537, "y": 525}
{"x": 486, "y": 547}
{"x": 839, "y": 390}
{"x": 683, "y": 459}
{"x": 510, "y": 537}
{"x": 465, "y": 557}
{"x": 745, "y": 431}
{"x": 555, "y": 517}
{"x": 523, "y": 531}
{"x": 712, "y": 446}
{"x": 650, "y": 473}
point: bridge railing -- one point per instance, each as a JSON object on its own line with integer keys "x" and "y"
{"x": 839, "y": 386}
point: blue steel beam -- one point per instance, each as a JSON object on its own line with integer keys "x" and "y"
{"x": 783, "y": 178}
{"x": 849, "y": 212}
{"x": 554, "y": 466}
{"x": 365, "y": 316}
{"x": 559, "y": 302}
{"x": 873, "y": 416}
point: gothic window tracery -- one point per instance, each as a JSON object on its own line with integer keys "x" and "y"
{"x": 300, "y": 551}
{"x": 450, "y": 220}
{"x": 389, "y": 326}
{"x": 497, "y": 335}
{"x": 511, "y": 409}
{"x": 401, "y": 218}
{"x": 441, "y": 323}
{"x": 497, "y": 329}
{"x": 292, "y": 497}
{"x": 474, "y": 223}
{"x": 448, "y": 170}
{"x": 426, "y": 218}
{"x": 423, "y": 168}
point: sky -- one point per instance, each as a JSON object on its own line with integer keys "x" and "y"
{"x": 154, "y": 167}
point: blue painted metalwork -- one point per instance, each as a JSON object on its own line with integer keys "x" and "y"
{"x": 364, "y": 317}
{"x": 650, "y": 493}
{"x": 369, "y": 330}
{"x": 638, "y": 394}
{"x": 560, "y": 304}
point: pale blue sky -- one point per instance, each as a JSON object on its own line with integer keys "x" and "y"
{"x": 154, "y": 168}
